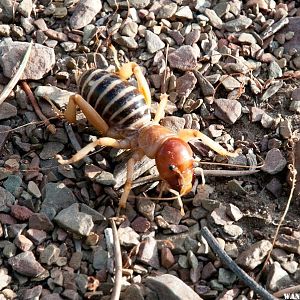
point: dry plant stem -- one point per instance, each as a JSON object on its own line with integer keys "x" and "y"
{"x": 27, "y": 90}
{"x": 118, "y": 263}
{"x": 290, "y": 290}
{"x": 242, "y": 275}
{"x": 12, "y": 83}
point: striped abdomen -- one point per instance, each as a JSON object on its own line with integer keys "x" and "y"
{"x": 117, "y": 102}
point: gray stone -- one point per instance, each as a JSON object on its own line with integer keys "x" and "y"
{"x": 254, "y": 255}
{"x": 148, "y": 253}
{"x": 6, "y": 200}
{"x": 71, "y": 219}
{"x": 226, "y": 277}
{"x": 153, "y": 42}
{"x": 33, "y": 293}
{"x": 12, "y": 183}
{"x": 4, "y": 30}
{"x": 170, "y": 287}
{"x": 214, "y": 19}
{"x": 288, "y": 243}
{"x": 184, "y": 58}
{"x": 185, "y": 84}
{"x": 128, "y": 237}
{"x": 100, "y": 257}
{"x": 25, "y": 8}
{"x": 247, "y": 38}
{"x": 184, "y": 12}
{"x": 274, "y": 162}
{"x": 26, "y": 264}
{"x": 7, "y": 111}
{"x": 167, "y": 11}
{"x": 238, "y": 24}
{"x": 41, "y": 60}
{"x": 56, "y": 196}
{"x": 228, "y": 110}
{"x": 127, "y": 41}
{"x": 84, "y": 12}
{"x": 49, "y": 255}
{"x": 277, "y": 278}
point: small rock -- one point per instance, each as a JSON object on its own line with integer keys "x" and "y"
{"x": 127, "y": 41}
{"x": 219, "y": 216}
{"x": 185, "y": 84}
{"x": 192, "y": 37}
{"x": 49, "y": 255}
{"x": 71, "y": 219}
{"x": 148, "y": 253}
{"x": 226, "y": 277}
{"x": 25, "y": 8}
{"x": 274, "y": 162}
{"x": 75, "y": 260}
{"x": 26, "y": 264}
{"x": 28, "y": 294}
{"x": 50, "y": 149}
{"x": 275, "y": 187}
{"x": 184, "y": 58}
{"x": 277, "y": 278}
{"x": 153, "y": 42}
{"x": 7, "y": 111}
{"x": 6, "y": 200}
{"x": 295, "y": 106}
{"x": 34, "y": 189}
{"x": 254, "y": 255}
{"x": 234, "y": 212}
{"x": 233, "y": 231}
{"x": 232, "y": 250}
{"x": 256, "y": 113}
{"x": 167, "y": 258}
{"x": 214, "y": 19}
{"x": 288, "y": 243}
{"x": 84, "y": 12}
{"x": 4, "y": 278}
{"x": 274, "y": 70}
{"x": 37, "y": 236}
{"x": 167, "y": 11}
{"x": 100, "y": 258}
{"x": 23, "y": 243}
{"x": 41, "y": 222}
{"x": 128, "y": 237}
{"x": 184, "y": 12}
{"x": 41, "y": 61}
{"x": 146, "y": 208}
{"x": 247, "y": 38}
{"x": 239, "y": 24}
{"x": 290, "y": 266}
{"x": 21, "y": 213}
{"x": 4, "y": 30}
{"x": 171, "y": 215}
{"x": 140, "y": 224}
{"x": 228, "y": 110}
{"x": 170, "y": 287}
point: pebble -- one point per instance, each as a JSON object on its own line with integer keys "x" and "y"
{"x": 41, "y": 222}
{"x": 184, "y": 12}
{"x": 4, "y": 278}
{"x": 98, "y": 175}
{"x": 288, "y": 243}
{"x": 148, "y": 253}
{"x": 228, "y": 110}
{"x": 25, "y": 8}
{"x": 171, "y": 215}
{"x": 277, "y": 278}
{"x": 4, "y": 30}
{"x": 41, "y": 61}
{"x": 140, "y": 225}
{"x": 56, "y": 197}
{"x": 7, "y": 111}
{"x": 234, "y": 231}
{"x": 6, "y": 200}
{"x": 167, "y": 11}
{"x": 7, "y": 11}
{"x": 254, "y": 255}
{"x": 274, "y": 162}
{"x": 127, "y": 41}
{"x": 184, "y": 58}
{"x": 239, "y": 24}
{"x": 185, "y": 84}
{"x": 33, "y": 189}
{"x": 49, "y": 255}
{"x": 4, "y": 132}
{"x": 32, "y": 293}
{"x": 146, "y": 208}
{"x": 170, "y": 287}
{"x": 234, "y": 212}
{"x": 128, "y": 237}
{"x": 84, "y": 12}
{"x": 23, "y": 243}
{"x": 174, "y": 123}
{"x": 26, "y": 264}
{"x": 167, "y": 258}
{"x": 214, "y": 19}
{"x": 71, "y": 219}
{"x": 153, "y": 42}
{"x": 21, "y": 213}
{"x": 37, "y": 236}
{"x": 226, "y": 277}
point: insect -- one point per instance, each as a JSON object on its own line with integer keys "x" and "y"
{"x": 121, "y": 113}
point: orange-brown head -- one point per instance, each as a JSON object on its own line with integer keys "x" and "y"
{"x": 174, "y": 161}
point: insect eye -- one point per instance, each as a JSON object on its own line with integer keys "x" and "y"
{"x": 172, "y": 167}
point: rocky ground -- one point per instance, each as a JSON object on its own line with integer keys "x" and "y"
{"x": 232, "y": 72}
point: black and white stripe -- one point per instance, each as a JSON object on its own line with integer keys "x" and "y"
{"x": 117, "y": 102}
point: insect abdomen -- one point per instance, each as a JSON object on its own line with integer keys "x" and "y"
{"x": 116, "y": 101}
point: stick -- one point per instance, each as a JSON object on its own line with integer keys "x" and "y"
{"x": 12, "y": 83}
{"x": 31, "y": 97}
{"x": 118, "y": 263}
{"x": 259, "y": 290}
{"x": 290, "y": 290}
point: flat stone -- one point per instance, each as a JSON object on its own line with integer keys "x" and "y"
{"x": 274, "y": 162}
{"x": 37, "y": 236}
{"x": 171, "y": 215}
{"x": 71, "y": 219}
{"x": 23, "y": 243}
{"x": 238, "y": 24}
{"x": 228, "y": 110}
{"x": 7, "y": 111}
{"x": 277, "y": 278}
{"x": 184, "y": 12}
{"x": 127, "y": 41}
{"x": 128, "y": 237}
{"x": 49, "y": 255}
{"x": 6, "y": 200}
{"x": 288, "y": 243}
{"x": 20, "y": 212}
{"x": 26, "y": 264}
{"x": 4, "y": 278}
{"x": 41, "y": 222}
{"x": 84, "y": 12}
{"x": 41, "y": 60}
{"x": 153, "y": 42}
{"x": 167, "y": 11}
{"x": 184, "y": 58}
{"x": 185, "y": 84}
{"x": 141, "y": 225}
{"x": 254, "y": 255}
{"x": 171, "y": 287}
{"x": 28, "y": 294}
{"x": 226, "y": 277}
{"x": 234, "y": 212}
{"x": 56, "y": 196}
{"x": 148, "y": 253}
{"x": 50, "y": 149}
{"x": 214, "y": 19}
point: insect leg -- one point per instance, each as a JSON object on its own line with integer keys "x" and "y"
{"x": 92, "y": 116}
{"x": 138, "y": 155}
{"x": 179, "y": 200}
{"x": 131, "y": 68}
{"x": 189, "y": 134}
{"x": 160, "y": 113}
{"x": 105, "y": 141}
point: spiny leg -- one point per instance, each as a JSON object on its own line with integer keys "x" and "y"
{"x": 138, "y": 155}
{"x": 189, "y": 134}
{"x": 179, "y": 200}
{"x": 92, "y": 116}
{"x": 160, "y": 112}
{"x": 105, "y": 141}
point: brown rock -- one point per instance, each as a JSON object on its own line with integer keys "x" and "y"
{"x": 167, "y": 258}
{"x": 140, "y": 224}
{"x": 148, "y": 253}
{"x": 40, "y": 222}
{"x": 228, "y": 110}
{"x": 184, "y": 58}
{"x": 21, "y": 213}
{"x": 23, "y": 243}
{"x": 288, "y": 243}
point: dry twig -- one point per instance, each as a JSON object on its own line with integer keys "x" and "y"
{"x": 12, "y": 83}
{"x": 31, "y": 97}
{"x": 118, "y": 262}
{"x": 213, "y": 243}
{"x": 290, "y": 290}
